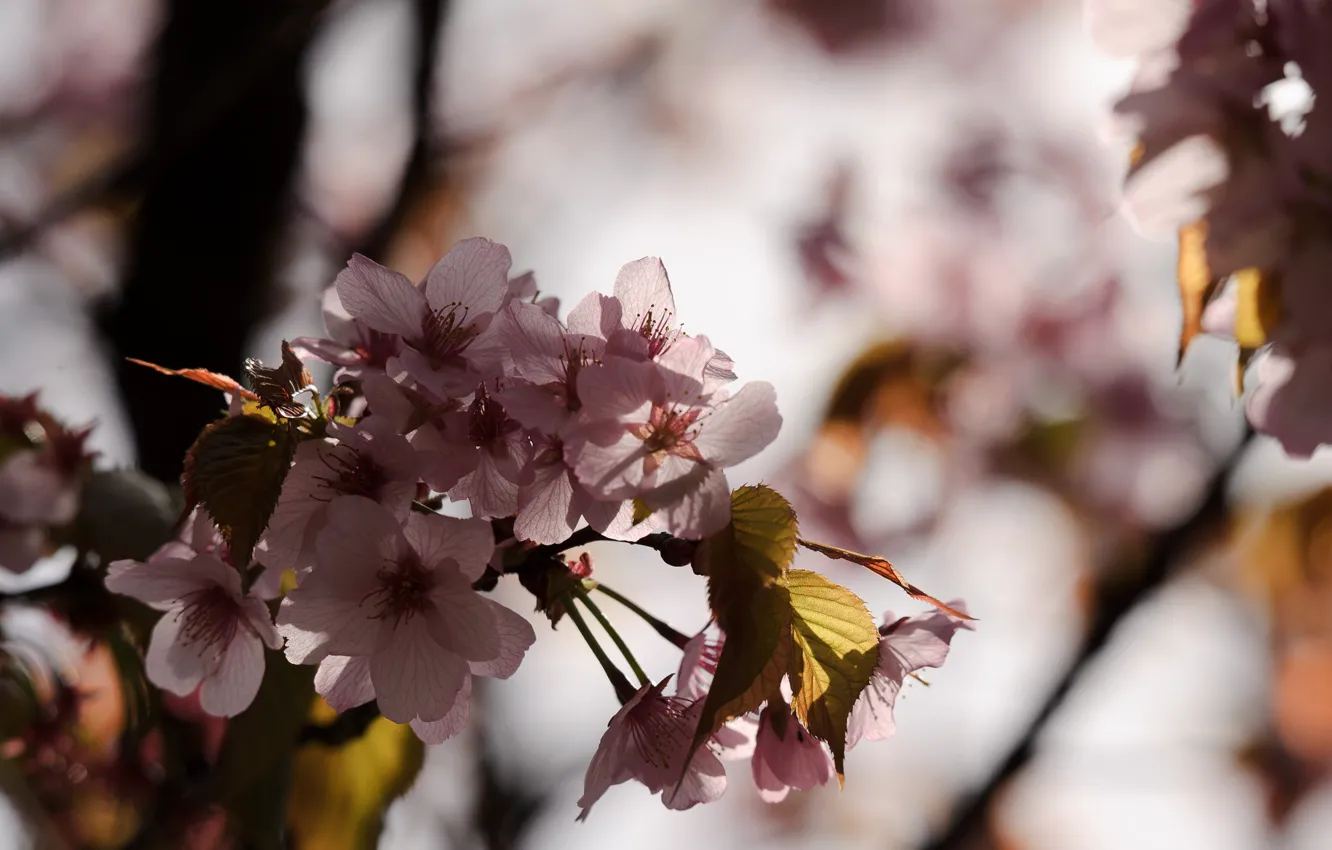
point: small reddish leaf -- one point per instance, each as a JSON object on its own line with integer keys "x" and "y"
{"x": 200, "y": 376}
{"x": 235, "y": 470}
{"x": 880, "y": 566}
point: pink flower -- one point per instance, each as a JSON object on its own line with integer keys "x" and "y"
{"x": 905, "y": 646}
{"x": 492, "y": 487}
{"x": 352, "y": 344}
{"x": 371, "y": 459}
{"x": 786, "y": 756}
{"x": 648, "y": 431}
{"x": 548, "y": 360}
{"x": 211, "y": 636}
{"x": 445, "y": 322}
{"x": 1131, "y": 27}
{"x": 735, "y": 740}
{"x": 648, "y": 740}
{"x": 390, "y": 612}
{"x": 551, "y": 501}
{"x": 436, "y": 429}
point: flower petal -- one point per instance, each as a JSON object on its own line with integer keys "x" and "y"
{"x": 740, "y": 427}
{"x": 439, "y": 731}
{"x": 469, "y": 543}
{"x": 473, "y": 274}
{"x": 642, "y": 287}
{"x": 464, "y": 623}
{"x": 545, "y": 506}
{"x": 413, "y": 676}
{"x": 232, "y": 687}
{"x": 382, "y": 298}
{"x": 160, "y": 584}
{"x": 171, "y": 663}
{"x": 515, "y": 636}
{"x": 344, "y": 681}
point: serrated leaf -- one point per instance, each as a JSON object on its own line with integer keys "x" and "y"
{"x": 235, "y": 470}
{"x": 1196, "y": 282}
{"x": 746, "y": 564}
{"x": 835, "y": 647}
{"x": 340, "y": 794}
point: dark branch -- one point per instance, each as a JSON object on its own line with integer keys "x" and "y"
{"x": 1123, "y": 589}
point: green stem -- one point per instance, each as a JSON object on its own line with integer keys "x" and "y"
{"x": 623, "y": 689}
{"x": 582, "y": 596}
{"x": 662, "y": 628}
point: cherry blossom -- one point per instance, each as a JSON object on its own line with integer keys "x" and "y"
{"x": 371, "y": 459}
{"x": 786, "y": 755}
{"x": 492, "y": 487}
{"x": 552, "y": 502}
{"x": 648, "y": 740}
{"x": 548, "y": 360}
{"x": 649, "y": 432}
{"x": 437, "y": 429}
{"x": 211, "y": 635}
{"x": 399, "y": 597}
{"x": 351, "y": 344}
{"x": 905, "y": 646}
{"x": 445, "y": 322}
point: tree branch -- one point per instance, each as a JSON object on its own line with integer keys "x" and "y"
{"x": 1123, "y": 589}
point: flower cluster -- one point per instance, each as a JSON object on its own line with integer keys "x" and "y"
{"x": 650, "y": 739}
{"x": 1230, "y": 154}
{"x": 42, "y": 466}
{"x": 465, "y": 387}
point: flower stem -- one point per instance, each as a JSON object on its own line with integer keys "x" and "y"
{"x": 623, "y": 689}
{"x": 582, "y": 596}
{"x": 662, "y": 628}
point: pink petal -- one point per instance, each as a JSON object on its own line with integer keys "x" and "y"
{"x": 288, "y": 543}
{"x": 642, "y": 287}
{"x": 344, "y": 681}
{"x": 618, "y": 387}
{"x": 316, "y": 625}
{"x": 413, "y": 676}
{"x": 474, "y": 274}
{"x": 596, "y": 315}
{"x": 719, "y": 372}
{"x": 1124, "y": 28}
{"x": 608, "y": 766}
{"x": 439, "y": 731}
{"x": 360, "y": 537}
{"x": 704, "y": 782}
{"x": 464, "y": 623}
{"x": 1291, "y": 401}
{"x": 468, "y": 543}
{"x": 703, "y": 508}
{"x": 515, "y": 637}
{"x": 382, "y": 298}
{"x": 387, "y": 399}
{"x": 688, "y": 356}
{"x": 254, "y": 612}
{"x": 1171, "y": 190}
{"x": 545, "y": 513}
{"x": 232, "y": 687}
{"x": 160, "y": 584}
{"x": 740, "y": 427}
{"x": 171, "y": 663}
{"x": 327, "y": 350}
{"x": 538, "y": 407}
{"x": 447, "y": 455}
{"x": 491, "y": 492}
{"x": 612, "y": 471}
{"x": 536, "y": 340}
{"x": 338, "y": 322}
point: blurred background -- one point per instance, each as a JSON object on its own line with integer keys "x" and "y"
{"x": 903, "y": 213}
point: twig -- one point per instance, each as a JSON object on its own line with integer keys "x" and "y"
{"x": 349, "y": 726}
{"x": 1117, "y": 598}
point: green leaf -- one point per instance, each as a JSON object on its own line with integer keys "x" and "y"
{"x": 340, "y": 794}
{"x": 235, "y": 470}
{"x": 253, "y": 769}
{"x": 836, "y": 648}
{"x": 746, "y": 564}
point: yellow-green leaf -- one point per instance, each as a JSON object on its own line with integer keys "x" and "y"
{"x": 746, "y": 564}
{"x": 340, "y": 794}
{"x": 235, "y": 470}
{"x": 836, "y": 648}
